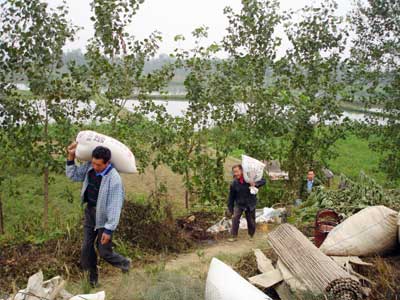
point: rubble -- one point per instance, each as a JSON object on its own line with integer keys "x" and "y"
{"x": 266, "y": 280}
{"x": 335, "y": 271}
{"x": 53, "y": 289}
{"x": 264, "y": 264}
{"x": 263, "y": 216}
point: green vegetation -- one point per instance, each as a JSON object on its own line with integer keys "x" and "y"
{"x": 354, "y": 156}
{"x": 22, "y": 202}
{"x": 354, "y": 195}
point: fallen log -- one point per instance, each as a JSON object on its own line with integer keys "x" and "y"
{"x": 319, "y": 273}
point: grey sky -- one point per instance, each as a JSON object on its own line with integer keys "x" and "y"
{"x": 172, "y": 17}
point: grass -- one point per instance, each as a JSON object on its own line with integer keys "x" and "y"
{"x": 174, "y": 286}
{"x": 23, "y": 208}
{"x": 356, "y": 156}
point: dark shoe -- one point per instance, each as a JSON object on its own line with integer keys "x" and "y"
{"x": 125, "y": 268}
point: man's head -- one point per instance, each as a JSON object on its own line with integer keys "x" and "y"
{"x": 100, "y": 158}
{"x": 310, "y": 175}
{"x": 237, "y": 171}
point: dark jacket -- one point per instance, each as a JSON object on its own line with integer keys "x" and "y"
{"x": 303, "y": 188}
{"x": 240, "y": 196}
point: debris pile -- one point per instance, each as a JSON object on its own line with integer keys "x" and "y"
{"x": 140, "y": 219}
{"x": 56, "y": 256}
{"x": 318, "y": 272}
{"x": 53, "y": 289}
{"x": 335, "y": 270}
{"x": 263, "y": 216}
{"x": 196, "y": 224}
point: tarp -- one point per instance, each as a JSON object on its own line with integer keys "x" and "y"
{"x": 223, "y": 283}
{"x": 264, "y": 215}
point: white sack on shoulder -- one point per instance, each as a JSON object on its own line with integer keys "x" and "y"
{"x": 121, "y": 157}
{"x": 253, "y": 169}
{"x": 371, "y": 231}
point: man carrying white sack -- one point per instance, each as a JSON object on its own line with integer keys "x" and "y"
{"x": 103, "y": 193}
{"x": 242, "y": 200}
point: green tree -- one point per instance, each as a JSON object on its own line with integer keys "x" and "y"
{"x": 200, "y": 151}
{"x": 374, "y": 68}
{"x": 37, "y": 129}
{"x": 233, "y": 96}
{"x": 252, "y": 44}
{"x": 116, "y": 62}
{"x": 308, "y": 74}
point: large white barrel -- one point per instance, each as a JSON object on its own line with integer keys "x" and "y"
{"x": 223, "y": 283}
{"x": 121, "y": 157}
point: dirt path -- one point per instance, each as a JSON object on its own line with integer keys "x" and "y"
{"x": 186, "y": 271}
{"x": 221, "y": 248}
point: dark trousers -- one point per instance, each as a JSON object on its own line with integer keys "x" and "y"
{"x": 250, "y": 218}
{"x": 91, "y": 238}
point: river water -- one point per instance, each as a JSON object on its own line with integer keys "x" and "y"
{"x": 177, "y": 108}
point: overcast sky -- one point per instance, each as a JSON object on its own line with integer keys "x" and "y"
{"x": 172, "y": 17}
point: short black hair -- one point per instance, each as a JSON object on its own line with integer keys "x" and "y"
{"x": 101, "y": 152}
{"x": 237, "y": 166}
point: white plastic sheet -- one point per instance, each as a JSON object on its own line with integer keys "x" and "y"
{"x": 223, "y": 283}
{"x": 264, "y": 215}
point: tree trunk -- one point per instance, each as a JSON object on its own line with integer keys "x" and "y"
{"x": 187, "y": 199}
{"x": 46, "y": 197}
{"x": 1, "y": 217}
{"x": 46, "y": 174}
{"x": 187, "y": 193}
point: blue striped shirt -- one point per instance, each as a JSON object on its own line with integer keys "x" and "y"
{"x": 111, "y": 194}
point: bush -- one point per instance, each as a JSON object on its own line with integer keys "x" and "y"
{"x": 149, "y": 226}
{"x": 273, "y": 192}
